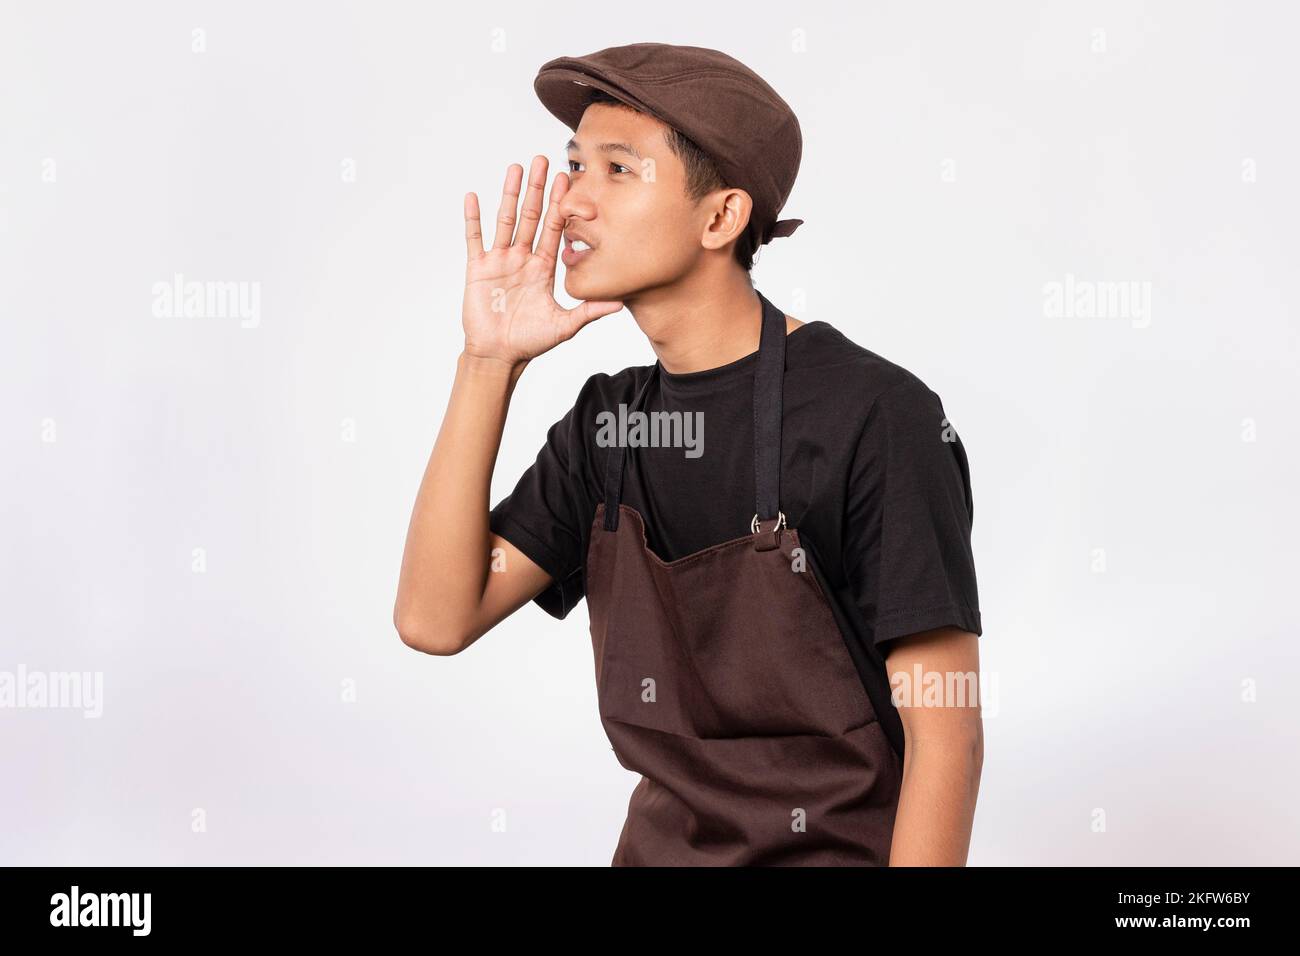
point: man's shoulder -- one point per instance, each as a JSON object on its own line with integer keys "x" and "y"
{"x": 847, "y": 374}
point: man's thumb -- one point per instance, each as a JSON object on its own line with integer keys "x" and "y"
{"x": 590, "y": 311}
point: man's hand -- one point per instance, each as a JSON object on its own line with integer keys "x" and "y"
{"x": 510, "y": 313}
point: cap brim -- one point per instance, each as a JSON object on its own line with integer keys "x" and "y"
{"x": 566, "y": 92}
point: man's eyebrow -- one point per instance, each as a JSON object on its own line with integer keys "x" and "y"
{"x": 606, "y": 147}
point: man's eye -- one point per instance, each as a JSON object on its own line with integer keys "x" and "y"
{"x": 614, "y": 167}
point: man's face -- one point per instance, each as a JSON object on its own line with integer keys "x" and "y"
{"x": 627, "y": 199}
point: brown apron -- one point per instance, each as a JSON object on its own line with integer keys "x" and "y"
{"x": 723, "y": 679}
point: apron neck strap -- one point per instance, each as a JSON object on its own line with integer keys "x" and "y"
{"x": 614, "y": 461}
{"x": 769, "y": 375}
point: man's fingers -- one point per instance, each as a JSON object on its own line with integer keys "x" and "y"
{"x": 505, "y": 230}
{"x": 473, "y": 230}
{"x": 532, "y": 211}
{"x": 553, "y": 227}
{"x": 585, "y": 312}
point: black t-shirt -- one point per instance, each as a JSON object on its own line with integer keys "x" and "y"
{"x": 873, "y": 476}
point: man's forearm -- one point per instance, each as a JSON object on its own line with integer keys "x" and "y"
{"x": 444, "y": 565}
{"x": 936, "y": 808}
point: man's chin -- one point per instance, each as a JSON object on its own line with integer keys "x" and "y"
{"x": 585, "y": 289}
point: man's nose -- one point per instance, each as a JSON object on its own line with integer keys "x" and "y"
{"x": 576, "y": 203}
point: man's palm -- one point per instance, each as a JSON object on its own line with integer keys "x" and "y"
{"x": 510, "y": 311}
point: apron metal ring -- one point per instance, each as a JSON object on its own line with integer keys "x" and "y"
{"x": 780, "y": 522}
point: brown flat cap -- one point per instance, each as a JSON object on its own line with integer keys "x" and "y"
{"x": 721, "y": 104}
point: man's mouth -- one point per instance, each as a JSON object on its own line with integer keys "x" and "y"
{"x": 575, "y": 250}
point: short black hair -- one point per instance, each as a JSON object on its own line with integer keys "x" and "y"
{"x": 702, "y": 174}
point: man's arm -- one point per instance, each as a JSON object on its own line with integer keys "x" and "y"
{"x": 448, "y": 594}
{"x": 944, "y": 746}
{"x": 455, "y": 585}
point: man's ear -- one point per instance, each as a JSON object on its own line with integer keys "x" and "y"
{"x": 731, "y": 210}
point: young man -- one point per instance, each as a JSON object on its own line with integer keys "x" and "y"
{"x": 767, "y": 523}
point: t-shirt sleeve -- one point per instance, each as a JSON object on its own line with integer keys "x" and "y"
{"x": 539, "y": 518}
{"x": 909, "y": 515}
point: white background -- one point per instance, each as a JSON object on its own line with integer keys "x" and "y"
{"x": 957, "y": 158}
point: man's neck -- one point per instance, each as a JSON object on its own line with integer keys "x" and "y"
{"x": 701, "y": 324}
